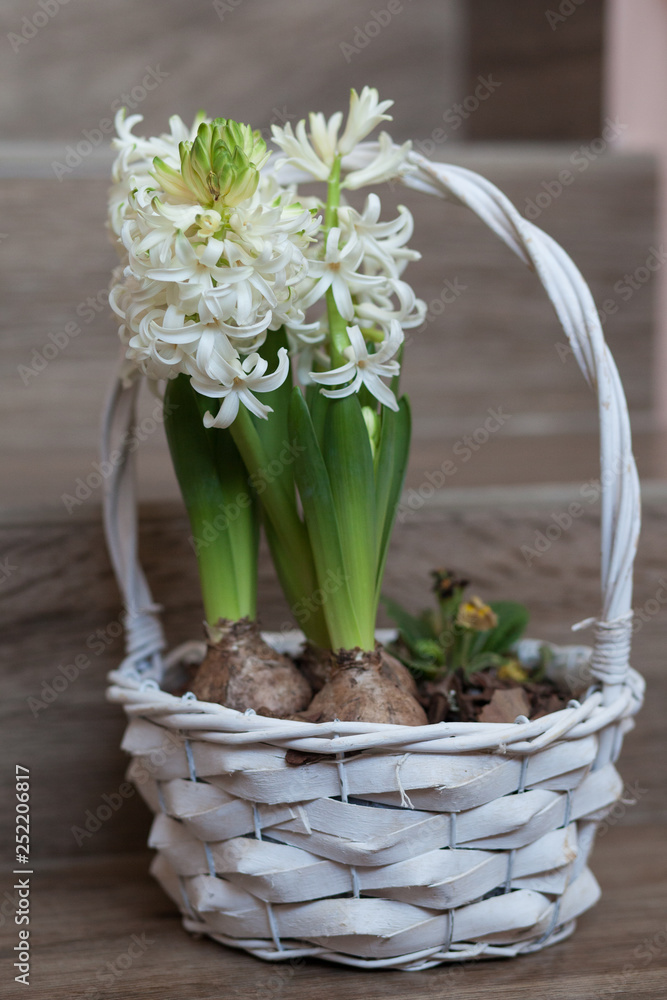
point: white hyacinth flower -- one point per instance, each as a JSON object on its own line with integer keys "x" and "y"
{"x": 314, "y": 152}
{"x": 216, "y": 254}
{"x": 338, "y": 271}
{"x": 387, "y": 163}
{"x": 366, "y": 112}
{"x": 364, "y": 368}
{"x": 383, "y": 243}
{"x": 235, "y": 382}
{"x": 378, "y": 307}
{"x": 205, "y": 279}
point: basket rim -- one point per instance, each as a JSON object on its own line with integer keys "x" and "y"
{"x": 209, "y": 721}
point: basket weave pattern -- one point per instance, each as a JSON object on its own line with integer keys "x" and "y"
{"x": 377, "y": 845}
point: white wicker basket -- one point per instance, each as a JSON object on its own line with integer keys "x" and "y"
{"x": 389, "y": 846}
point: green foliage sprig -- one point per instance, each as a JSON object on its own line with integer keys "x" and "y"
{"x": 461, "y": 634}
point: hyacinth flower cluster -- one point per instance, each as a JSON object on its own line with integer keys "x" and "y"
{"x": 275, "y": 321}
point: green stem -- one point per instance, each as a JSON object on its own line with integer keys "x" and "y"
{"x": 275, "y": 498}
{"x": 465, "y": 650}
{"x": 212, "y": 478}
{"x": 339, "y": 339}
{"x": 333, "y": 196}
{"x": 288, "y": 535}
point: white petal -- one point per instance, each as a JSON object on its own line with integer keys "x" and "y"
{"x": 342, "y": 297}
{"x": 347, "y": 390}
{"x": 276, "y": 378}
{"x": 336, "y": 376}
{"x": 253, "y": 404}
{"x": 226, "y": 414}
{"x": 365, "y": 113}
{"x": 357, "y": 342}
{"x": 381, "y": 391}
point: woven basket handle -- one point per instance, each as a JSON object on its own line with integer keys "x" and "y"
{"x": 144, "y": 638}
{"x": 575, "y": 308}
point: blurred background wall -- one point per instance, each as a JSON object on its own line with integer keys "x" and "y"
{"x": 513, "y": 89}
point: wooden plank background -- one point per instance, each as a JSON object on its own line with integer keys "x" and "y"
{"x": 549, "y": 59}
{"x": 496, "y": 345}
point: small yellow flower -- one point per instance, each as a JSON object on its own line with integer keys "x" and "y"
{"x": 512, "y": 670}
{"x": 476, "y": 615}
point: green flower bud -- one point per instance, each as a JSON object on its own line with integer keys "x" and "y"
{"x": 220, "y": 168}
{"x": 372, "y": 421}
{"x": 243, "y": 137}
{"x": 170, "y": 180}
{"x": 429, "y": 649}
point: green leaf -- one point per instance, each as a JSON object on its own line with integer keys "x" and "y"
{"x": 412, "y": 629}
{"x": 318, "y": 405}
{"x": 293, "y": 578}
{"x": 219, "y": 502}
{"x": 287, "y": 535}
{"x": 482, "y": 661}
{"x": 391, "y": 463}
{"x": 273, "y": 432}
{"x": 319, "y": 511}
{"x": 512, "y": 622}
{"x": 422, "y": 668}
{"x": 349, "y": 461}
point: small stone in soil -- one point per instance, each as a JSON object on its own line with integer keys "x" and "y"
{"x": 505, "y": 705}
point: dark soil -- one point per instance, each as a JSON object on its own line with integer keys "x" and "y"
{"x": 465, "y": 700}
